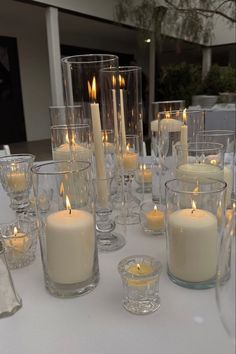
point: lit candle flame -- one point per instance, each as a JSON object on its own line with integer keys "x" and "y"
{"x": 105, "y": 137}
{"x": 213, "y": 162}
{"x": 113, "y": 81}
{"x": 68, "y": 205}
{"x": 92, "y": 89}
{"x": 138, "y": 266}
{"x": 121, "y": 82}
{"x": 127, "y": 147}
{"x": 167, "y": 115}
{"x": 194, "y": 206}
{"x": 155, "y": 208}
{"x": 15, "y": 231}
{"x": 185, "y": 115}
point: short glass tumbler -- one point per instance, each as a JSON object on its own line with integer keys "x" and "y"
{"x": 195, "y": 220}
{"x": 15, "y": 175}
{"x": 67, "y": 228}
{"x": 140, "y": 277}
{"x": 20, "y": 239}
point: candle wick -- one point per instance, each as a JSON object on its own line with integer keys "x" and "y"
{"x": 192, "y": 211}
{"x": 69, "y": 211}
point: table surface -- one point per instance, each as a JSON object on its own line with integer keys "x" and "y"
{"x": 186, "y": 323}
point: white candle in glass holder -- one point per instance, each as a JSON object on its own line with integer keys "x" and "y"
{"x": 169, "y": 125}
{"x": 199, "y": 170}
{"x": 122, "y": 112}
{"x": 184, "y": 137}
{"x": 70, "y": 240}
{"x": 193, "y": 244}
{"x": 115, "y": 107}
{"x": 228, "y": 178}
{"x": 17, "y": 181}
{"x": 67, "y": 152}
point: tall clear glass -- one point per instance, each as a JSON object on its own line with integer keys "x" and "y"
{"x": 167, "y": 106}
{"x": 67, "y": 228}
{"x": 227, "y": 139}
{"x": 225, "y": 291}
{"x": 195, "y": 220}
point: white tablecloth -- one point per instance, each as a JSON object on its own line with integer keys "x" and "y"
{"x": 96, "y": 323}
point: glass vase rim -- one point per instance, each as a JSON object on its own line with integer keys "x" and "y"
{"x": 129, "y": 68}
{"x": 50, "y": 163}
{"x": 180, "y": 111}
{"x": 68, "y": 126}
{"x": 156, "y": 265}
{"x": 19, "y": 219}
{"x": 17, "y": 158}
{"x": 155, "y": 102}
{"x": 216, "y": 132}
{"x": 64, "y": 106}
{"x": 194, "y": 146}
{"x": 71, "y": 59}
{"x": 211, "y": 180}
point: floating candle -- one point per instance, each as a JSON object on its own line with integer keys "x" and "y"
{"x": 144, "y": 174}
{"x": 155, "y": 219}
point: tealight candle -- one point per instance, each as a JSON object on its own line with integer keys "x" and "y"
{"x": 201, "y": 171}
{"x": 130, "y": 160}
{"x": 155, "y": 219}
{"x": 19, "y": 242}
{"x": 17, "y": 181}
{"x": 139, "y": 270}
{"x": 192, "y": 244}
{"x": 70, "y": 239}
{"x": 144, "y": 174}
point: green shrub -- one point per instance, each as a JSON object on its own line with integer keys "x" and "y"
{"x": 219, "y": 79}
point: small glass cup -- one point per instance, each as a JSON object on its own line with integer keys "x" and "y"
{"x": 20, "y": 240}
{"x": 15, "y": 175}
{"x": 143, "y": 177}
{"x": 110, "y": 234}
{"x": 195, "y": 220}
{"x": 152, "y": 217}
{"x": 10, "y": 302}
{"x": 67, "y": 228}
{"x": 140, "y": 277}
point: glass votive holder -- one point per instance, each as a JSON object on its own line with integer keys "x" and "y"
{"x": 140, "y": 276}
{"x": 20, "y": 241}
{"x": 15, "y": 175}
{"x": 152, "y": 217}
{"x": 143, "y": 178}
{"x": 67, "y": 229}
{"x": 195, "y": 222}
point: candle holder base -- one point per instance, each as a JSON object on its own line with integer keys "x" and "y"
{"x": 71, "y": 290}
{"x": 110, "y": 242}
{"x": 201, "y": 285}
{"x": 142, "y": 307}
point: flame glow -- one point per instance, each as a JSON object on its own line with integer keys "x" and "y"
{"x": 155, "y": 208}
{"x": 121, "y": 82}
{"x": 68, "y": 205}
{"x": 92, "y": 89}
{"x": 194, "y": 206}
{"x": 15, "y": 231}
{"x": 185, "y": 115}
{"x": 213, "y": 162}
{"x": 138, "y": 266}
{"x": 62, "y": 190}
{"x": 113, "y": 81}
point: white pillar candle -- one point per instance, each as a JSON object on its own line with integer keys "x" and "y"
{"x": 184, "y": 137}
{"x": 144, "y": 174}
{"x": 192, "y": 238}
{"x": 130, "y": 161}
{"x": 17, "y": 181}
{"x": 70, "y": 240}
{"x": 228, "y": 178}
{"x": 169, "y": 125}
{"x": 114, "y": 107}
{"x": 67, "y": 152}
{"x": 199, "y": 170}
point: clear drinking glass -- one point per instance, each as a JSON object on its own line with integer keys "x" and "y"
{"x": 67, "y": 229}
{"x": 10, "y": 302}
{"x": 195, "y": 220}
{"x": 225, "y": 291}
{"x": 227, "y": 139}
{"x": 15, "y": 175}
{"x": 110, "y": 234}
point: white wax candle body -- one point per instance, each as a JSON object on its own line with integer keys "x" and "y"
{"x": 167, "y": 124}
{"x": 184, "y": 142}
{"x": 199, "y": 170}
{"x": 73, "y": 152}
{"x": 115, "y": 114}
{"x": 70, "y": 240}
{"x": 145, "y": 175}
{"x": 228, "y": 178}
{"x": 130, "y": 161}
{"x": 102, "y": 192}
{"x": 122, "y": 113}
{"x": 193, "y": 247}
{"x": 17, "y": 181}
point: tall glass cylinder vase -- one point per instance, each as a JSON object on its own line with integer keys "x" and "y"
{"x": 195, "y": 220}
{"x": 67, "y": 228}
{"x": 227, "y": 139}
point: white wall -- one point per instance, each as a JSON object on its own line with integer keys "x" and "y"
{"x": 26, "y": 23}
{"x": 223, "y": 34}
